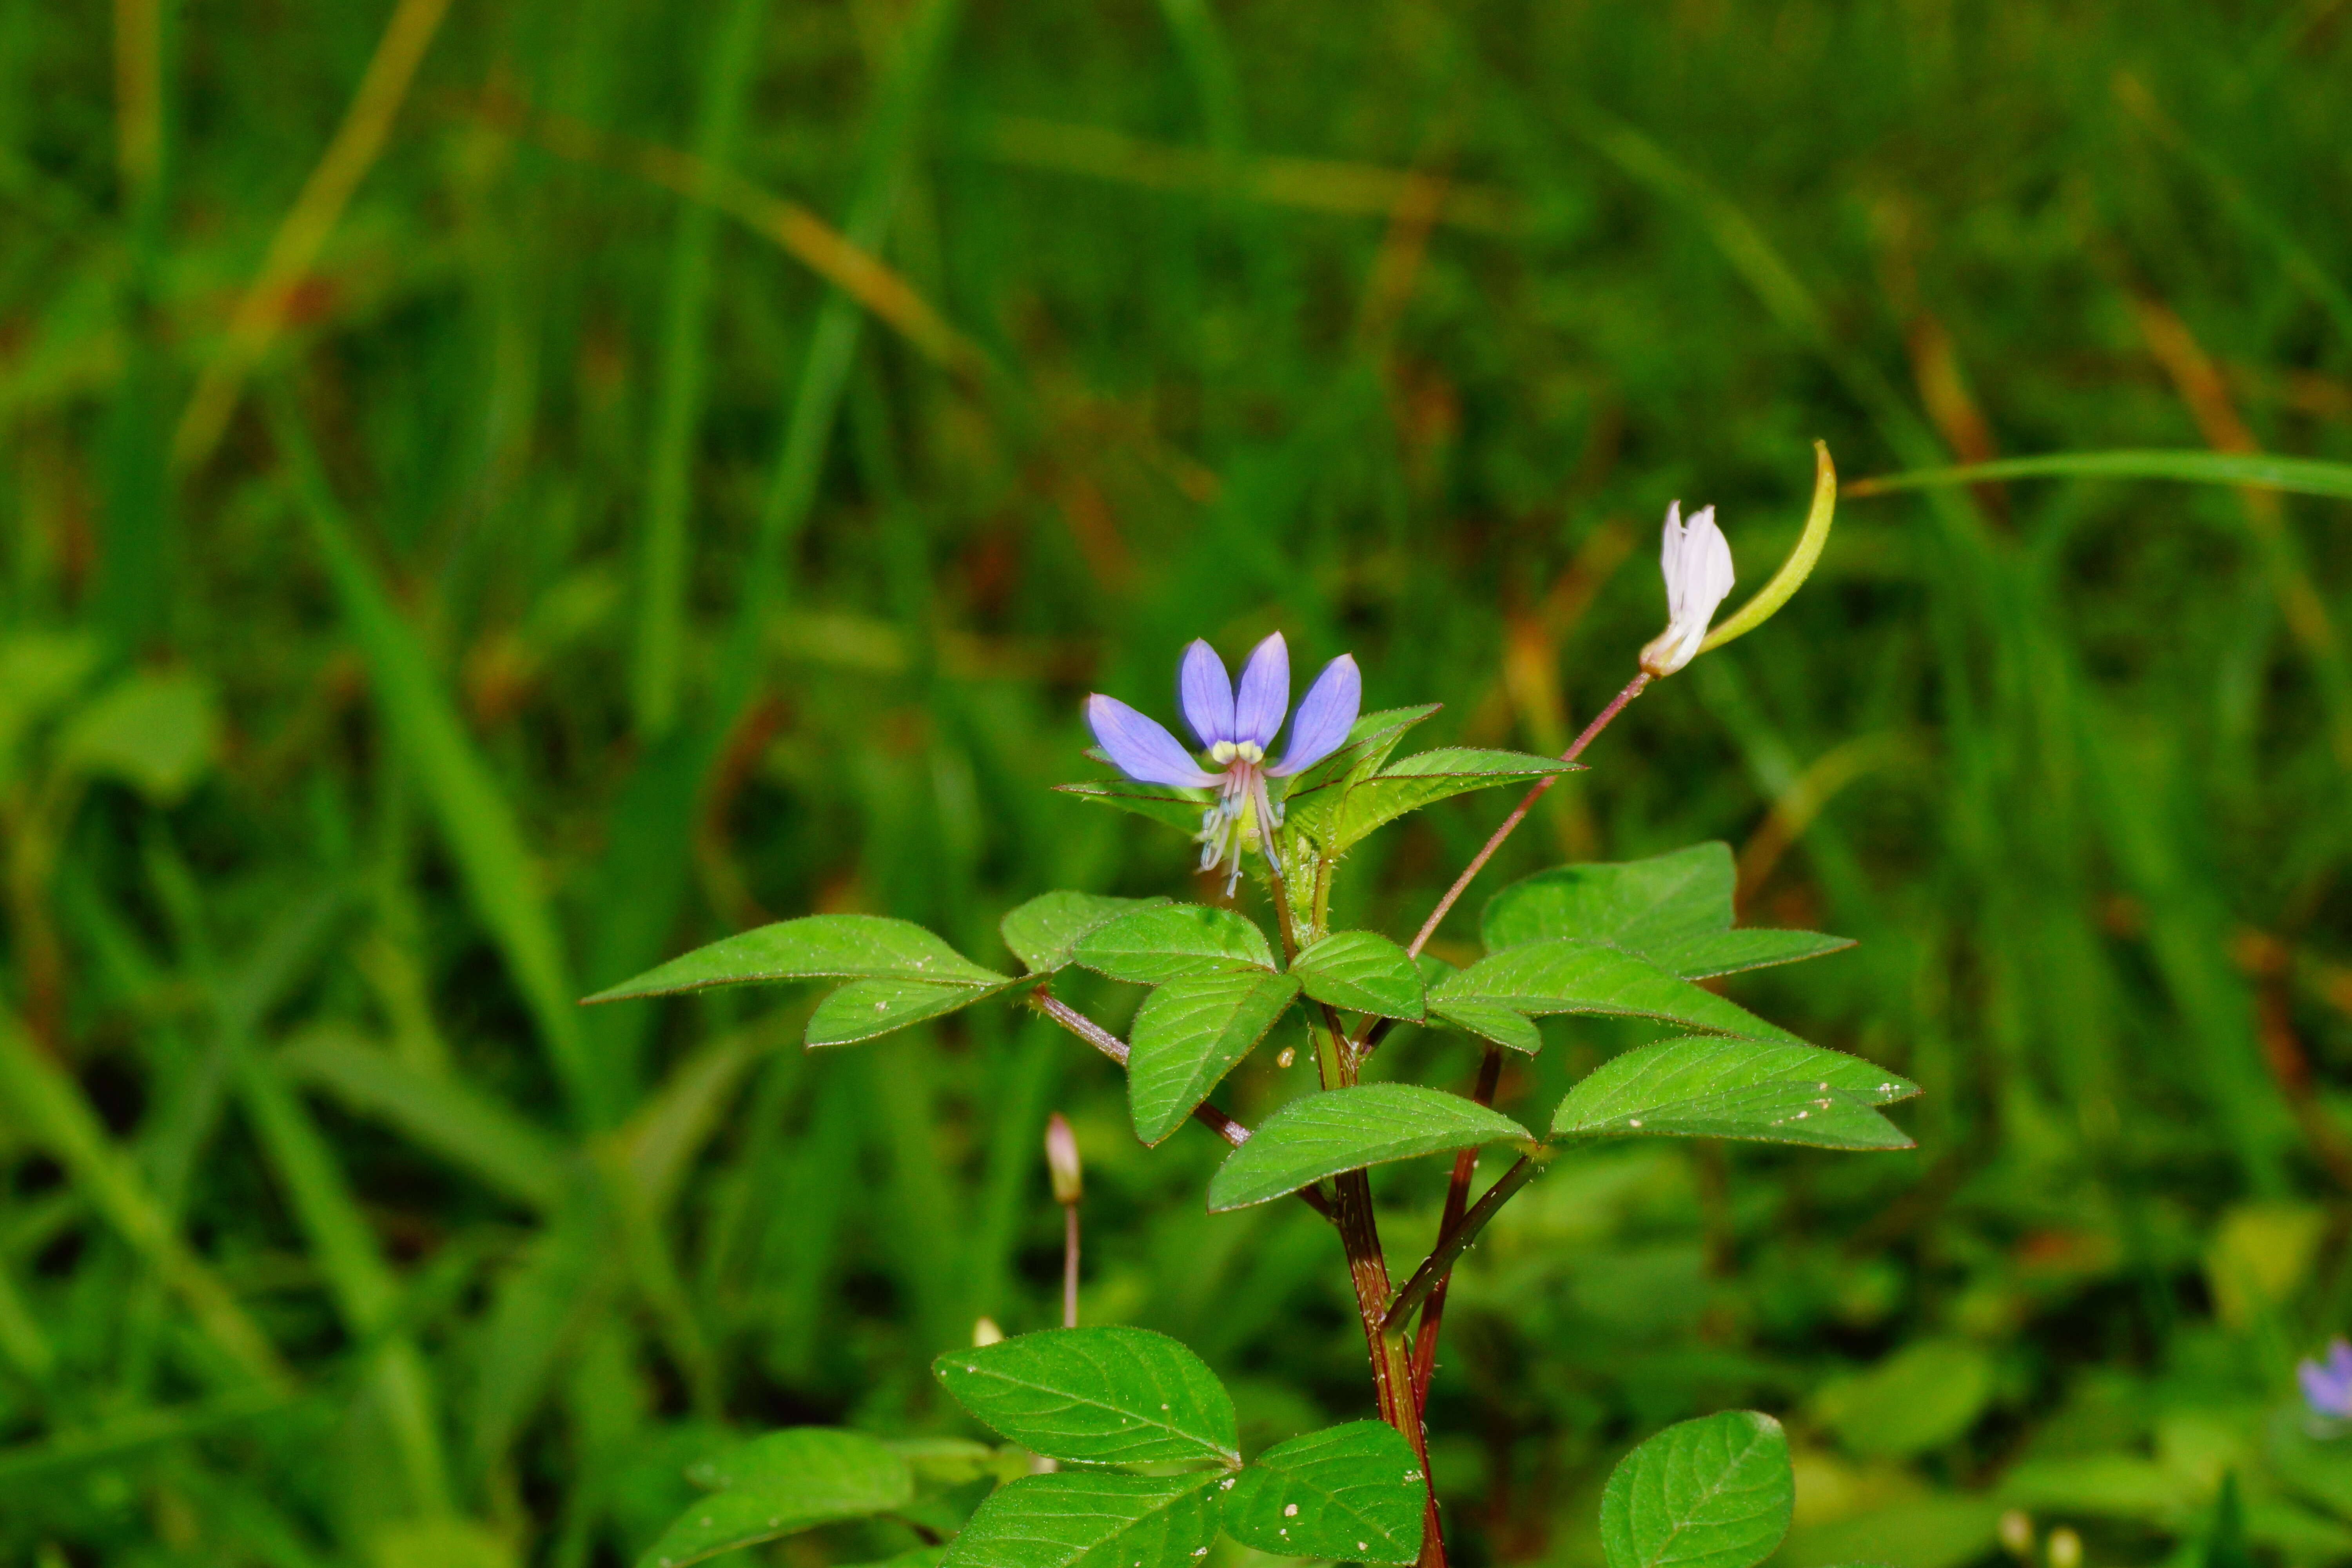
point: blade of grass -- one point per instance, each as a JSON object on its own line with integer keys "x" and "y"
{"x": 678, "y": 402}
{"x": 49, "y": 1109}
{"x": 480, "y": 827}
{"x": 452, "y": 1118}
{"x": 262, "y": 309}
{"x": 2295, "y": 475}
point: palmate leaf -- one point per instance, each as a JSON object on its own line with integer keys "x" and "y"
{"x": 1711, "y": 1493}
{"x": 866, "y": 1008}
{"x": 778, "y": 1485}
{"x": 816, "y": 947}
{"x": 1098, "y": 1396}
{"x": 1174, "y": 942}
{"x": 1045, "y": 932}
{"x": 1090, "y": 1519}
{"x": 1368, "y": 804}
{"x": 1188, "y": 1035}
{"x": 1351, "y": 1493}
{"x": 1362, "y": 972}
{"x": 1675, "y": 910}
{"x": 1320, "y": 1135}
{"x": 1737, "y": 1089}
{"x": 1567, "y": 976}
{"x": 1314, "y": 794}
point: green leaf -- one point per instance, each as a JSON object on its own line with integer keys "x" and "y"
{"x": 951, "y": 1461}
{"x": 1915, "y": 1401}
{"x": 1420, "y": 780}
{"x": 1315, "y": 794}
{"x": 1363, "y": 971}
{"x": 1188, "y": 1035}
{"x": 1320, "y": 1135}
{"x": 1565, "y": 976}
{"x": 155, "y": 733}
{"x": 1705, "y": 954}
{"x": 786, "y": 1482}
{"x": 1078, "y": 1520}
{"x": 1099, "y": 1396}
{"x": 1710, "y": 1493}
{"x": 1175, "y": 942}
{"x": 1161, "y": 803}
{"x": 1632, "y": 904}
{"x": 1353, "y": 1493}
{"x": 1737, "y": 1089}
{"x": 1043, "y": 932}
{"x": 1489, "y": 1021}
{"x": 865, "y": 1008}
{"x": 827, "y": 1470}
{"x": 816, "y": 947}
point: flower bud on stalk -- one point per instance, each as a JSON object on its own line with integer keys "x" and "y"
{"x": 1062, "y": 1160}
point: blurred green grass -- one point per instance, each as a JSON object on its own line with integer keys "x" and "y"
{"x": 467, "y": 537}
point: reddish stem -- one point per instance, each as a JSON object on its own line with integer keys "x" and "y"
{"x": 1457, "y": 1198}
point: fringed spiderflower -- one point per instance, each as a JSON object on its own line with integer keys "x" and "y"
{"x": 1236, "y": 728}
{"x": 2327, "y": 1384}
{"x": 1696, "y": 561}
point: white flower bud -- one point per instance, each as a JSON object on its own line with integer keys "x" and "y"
{"x": 1062, "y": 1160}
{"x": 985, "y": 1332}
{"x": 1696, "y": 561}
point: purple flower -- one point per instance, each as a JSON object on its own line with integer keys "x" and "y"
{"x": 2327, "y": 1384}
{"x": 1236, "y": 728}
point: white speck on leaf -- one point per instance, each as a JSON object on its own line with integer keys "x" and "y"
{"x": 1632, "y": 1121}
{"x": 1290, "y": 1510}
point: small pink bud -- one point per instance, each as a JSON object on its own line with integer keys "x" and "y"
{"x": 1062, "y": 1159}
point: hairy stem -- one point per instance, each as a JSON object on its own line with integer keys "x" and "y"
{"x": 1452, "y": 1243}
{"x": 1069, "y": 1265}
{"x": 1457, "y": 1198}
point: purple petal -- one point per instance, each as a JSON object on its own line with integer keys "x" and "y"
{"x": 1265, "y": 692}
{"x": 1142, "y": 749}
{"x": 1325, "y": 716}
{"x": 2339, "y": 1360}
{"x": 2327, "y": 1395}
{"x": 1205, "y": 693}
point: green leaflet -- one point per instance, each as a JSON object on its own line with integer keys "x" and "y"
{"x": 812, "y": 948}
{"x": 777, "y": 1485}
{"x": 1404, "y": 786}
{"x": 1161, "y": 803}
{"x": 1675, "y": 910}
{"x": 1174, "y": 942}
{"x": 1081, "y": 1519}
{"x": 1705, "y": 954}
{"x": 1363, "y": 971}
{"x": 1045, "y": 932}
{"x": 1489, "y": 1021}
{"x": 866, "y": 1008}
{"x": 1737, "y": 1089}
{"x": 1188, "y": 1035}
{"x": 1314, "y": 794}
{"x": 1320, "y": 1135}
{"x": 1098, "y": 1396}
{"x": 1352, "y": 1493}
{"x": 1633, "y": 904}
{"x": 1567, "y": 976}
{"x": 1711, "y": 1493}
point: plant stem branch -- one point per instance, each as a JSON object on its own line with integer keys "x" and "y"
{"x": 1069, "y": 1265}
{"x": 1042, "y": 998}
{"x": 1457, "y": 1198}
{"x": 1455, "y": 1242}
{"x": 1510, "y": 823}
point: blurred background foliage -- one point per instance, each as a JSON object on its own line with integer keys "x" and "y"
{"x": 495, "y": 494}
